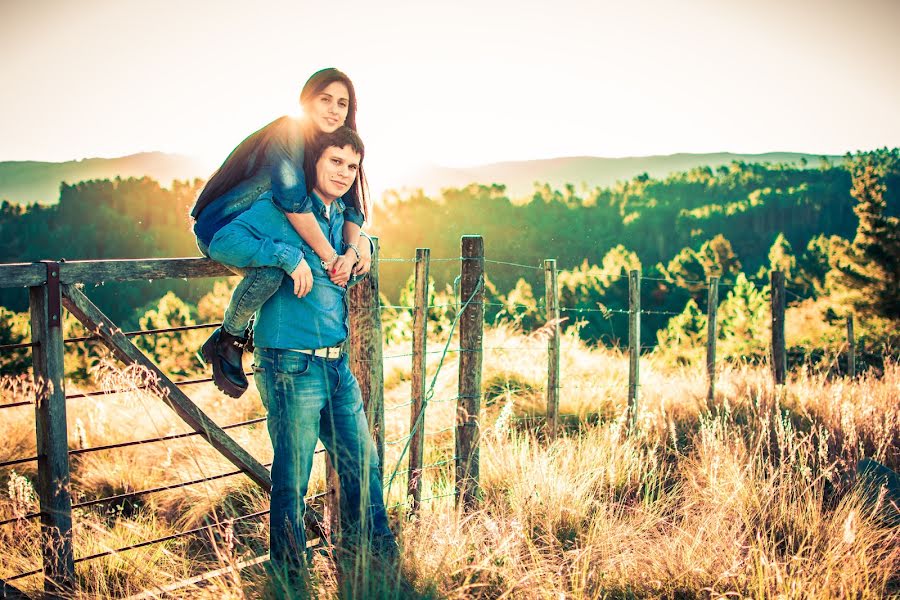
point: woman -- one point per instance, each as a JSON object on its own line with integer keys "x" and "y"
{"x": 272, "y": 160}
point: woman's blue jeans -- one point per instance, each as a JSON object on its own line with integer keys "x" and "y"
{"x": 310, "y": 398}
{"x": 257, "y": 285}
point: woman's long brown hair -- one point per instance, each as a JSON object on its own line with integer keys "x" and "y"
{"x": 245, "y": 160}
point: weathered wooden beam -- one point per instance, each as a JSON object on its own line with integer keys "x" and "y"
{"x": 53, "y": 480}
{"x": 366, "y": 353}
{"x": 778, "y": 355}
{"x": 86, "y": 312}
{"x": 712, "y": 306}
{"x": 471, "y": 353}
{"x": 551, "y": 295}
{"x": 417, "y": 380}
{"x": 634, "y": 347}
{"x": 22, "y": 275}
{"x": 98, "y": 271}
{"x": 851, "y": 348}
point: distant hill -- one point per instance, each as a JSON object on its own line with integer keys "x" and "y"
{"x": 520, "y": 176}
{"x": 30, "y": 181}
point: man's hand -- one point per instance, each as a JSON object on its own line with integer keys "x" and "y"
{"x": 342, "y": 268}
{"x": 365, "y": 257}
{"x": 303, "y": 280}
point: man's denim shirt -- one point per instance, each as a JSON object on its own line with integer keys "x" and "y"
{"x": 263, "y": 237}
{"x": 280, "y": 173}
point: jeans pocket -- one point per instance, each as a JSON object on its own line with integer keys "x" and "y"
{"x": 292, "y": 363}
{"x": 261, "y": 378}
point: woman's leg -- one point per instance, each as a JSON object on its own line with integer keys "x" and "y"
{"x": 224, "y": 349}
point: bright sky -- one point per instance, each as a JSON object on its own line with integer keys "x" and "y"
{"x": 453, "y": 83}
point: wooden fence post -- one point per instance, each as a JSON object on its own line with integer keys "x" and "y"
{"x": 551, "y": 294}
{"x": 779, "y": 357}
{"x": 471, "y": 334}
{"x": 366, "y": 361}
{"x": 417, "y": 385}
{"x": 634, "y": 346}
{"x": 851, "y": 348}
{"x": 53, "y": 490}
{"x": 711, "y": 336}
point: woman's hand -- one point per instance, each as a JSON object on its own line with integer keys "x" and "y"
{"x": 303, "y": 280}
{"x": 342, "y": 268}
{"x": 365, "y": 257}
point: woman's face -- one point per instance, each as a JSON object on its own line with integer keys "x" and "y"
{"x": 328, "y": 109}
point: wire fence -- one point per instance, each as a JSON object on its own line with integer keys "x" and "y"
{"x": 402, "y": 439}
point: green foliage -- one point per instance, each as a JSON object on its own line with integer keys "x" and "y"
{"x": 173, "y": 352}
{"x": 685, "y": 335}
{"x": 521, "y": 308}
{"x": 691, "y": 269}
{"x": 15, "y": 328}
{"x": 744, "y": 326}
{"x": 868, "y": 269}
{"x": 592, "y": 291}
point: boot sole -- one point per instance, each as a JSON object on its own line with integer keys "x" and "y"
{"x": 207, "y": 355}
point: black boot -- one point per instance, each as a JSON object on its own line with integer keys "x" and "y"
{"x": 223, "y": 352}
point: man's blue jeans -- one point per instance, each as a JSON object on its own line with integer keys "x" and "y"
{"x": 308, "y": 398}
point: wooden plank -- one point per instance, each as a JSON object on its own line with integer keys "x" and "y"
{"x": 366, "y": 353}
{"x": 22, "y": 275}
{"x": 778, "y": 355}
{"x": 331, "y": 520}
{"x": 551, "y": 293}
{"x": 52, "y": 438}
{"x": 634, "y": 346}
{"x": 98, "y": 271}
{"x": 417, "y": 384}
{"x": 712, "y": 306}
{"x": 86, "y": 312}
{"x": 471, "y": 336}
{"x": 851, "y": 348}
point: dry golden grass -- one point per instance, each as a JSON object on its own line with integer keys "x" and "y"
{"x": 752, "y": 499}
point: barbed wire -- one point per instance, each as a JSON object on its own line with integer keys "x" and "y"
{"x": 6, "y": 347}
{"x": 165, "y": 438}
{"x": 14, "y": 404}
{"x": 93, "y": 338}
{"x": 26, "y": 517}
{"x": 163, "y": 488}
{"x": 17, "y": 461}
{"x": 143, "y": 386}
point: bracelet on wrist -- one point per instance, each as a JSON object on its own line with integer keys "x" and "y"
{"x": 327, "y": 264}
{"x": 355, "y": 249}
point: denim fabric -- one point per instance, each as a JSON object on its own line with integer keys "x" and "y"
{"x": 263, "y": 237}
{"x": 257, "y": 285}
{"x": 279, "y": 172}
{"x": 310, "y": 398}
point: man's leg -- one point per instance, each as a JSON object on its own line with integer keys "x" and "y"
{"x": 294, "y": 391}
{"x": 345, "y": 433}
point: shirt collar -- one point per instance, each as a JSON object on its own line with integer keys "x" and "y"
{"x": 319, "y": 205}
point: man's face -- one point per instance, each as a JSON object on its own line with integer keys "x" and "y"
{"x": 336, "y": 171}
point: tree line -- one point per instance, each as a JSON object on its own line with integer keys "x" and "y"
{"x": 831, "y": 228}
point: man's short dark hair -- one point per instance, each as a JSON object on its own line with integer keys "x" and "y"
{"x": 340, "y": 137}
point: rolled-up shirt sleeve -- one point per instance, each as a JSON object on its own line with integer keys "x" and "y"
{"x": 354, "y": 216}
{"x": 240, "y": 245}
{"x": 284, "y": 157}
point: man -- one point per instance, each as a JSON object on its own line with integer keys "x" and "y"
{"x": 302, "y": 376}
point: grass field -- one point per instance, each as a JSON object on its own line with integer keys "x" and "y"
{"x": 755, "y": 498}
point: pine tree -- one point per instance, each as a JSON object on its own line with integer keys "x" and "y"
{"x": 869, "y": 268}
